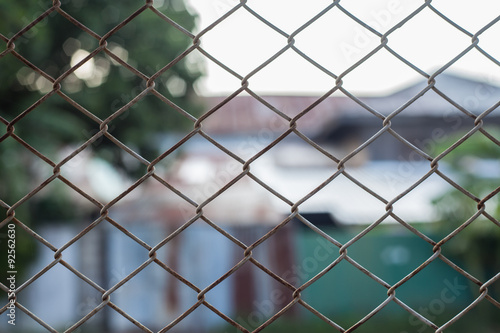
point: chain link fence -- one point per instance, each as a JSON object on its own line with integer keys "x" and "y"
{"x": 248, "y": 246}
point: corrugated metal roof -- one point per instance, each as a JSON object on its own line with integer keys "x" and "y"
{"x": 244, "y": 113}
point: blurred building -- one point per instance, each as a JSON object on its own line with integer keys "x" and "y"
{"x": 276, "y": 179}
{"x": 243, "y": 127}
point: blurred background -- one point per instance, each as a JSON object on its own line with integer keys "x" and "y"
{"x": 240, "y": 125}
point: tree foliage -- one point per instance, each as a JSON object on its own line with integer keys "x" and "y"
{"x": 100, "y": 87}
{"x": 475, "y": 166}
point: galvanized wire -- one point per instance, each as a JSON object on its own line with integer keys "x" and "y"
{"x": 246, "y": 167}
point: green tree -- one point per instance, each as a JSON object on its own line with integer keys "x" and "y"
{"x": 475, "y": 166}
{"x": 99, "y": 89}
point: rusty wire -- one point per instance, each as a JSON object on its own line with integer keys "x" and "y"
{"x": 197, "y": 128}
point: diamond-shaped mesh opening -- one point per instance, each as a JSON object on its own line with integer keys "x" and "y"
{"x": 465, "y": 160}
{"x": 313, "y": 255}
{"x": 291, "y": 168}
{"x": 400, "y": 39}
{"x": 279, "y": 77}
{"x": 340, "y": 203}
{"x": 85, "y": 89}
{"x": 396, "y": 176}
{"x": 165, "y": 206}
{"x": 212, "y": 175}
{"x": 253, "y": 304}
{"x": 450, "y": 214}
{"x": 153, "y": 113}
{"x": 243, "y": 41}
{"x": 477, "y": 249}
{"x": 390, "y": 256}
{"x": 84, "y": 250}
{"x": 227, "y": 80}
{"x": 379, "y": 63}
{"x": 425, "y": 107}
{"x": 426, "y": 195}
{"x": 158, "y": 47}
{"x": 451, "y": 291}
{"x": 116, "y": 168}
{"x": 183, "y": 253}
{"x": 171, "y": 297}
{"x": 346, "y": 49}
{"x": 343, "y": 280}
{"x": 176, "y": 82}
{"x": 234, "y": 207}
{"x": 124, "y": 263}
{"x": 257, "y": 115}
{"x": 54, "y": 120}
{"x": 37, "y": 47}
{"x": 59, "y": 281}
{"x": 22, "y": 81}
{"x": 52, "y": 204}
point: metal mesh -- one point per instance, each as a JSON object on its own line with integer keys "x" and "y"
{"x": 246, "y": 170}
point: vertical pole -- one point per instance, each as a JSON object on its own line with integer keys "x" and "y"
{"x": 103, "y": 263}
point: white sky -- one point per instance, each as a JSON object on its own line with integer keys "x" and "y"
{"x": 336, "y": 42}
